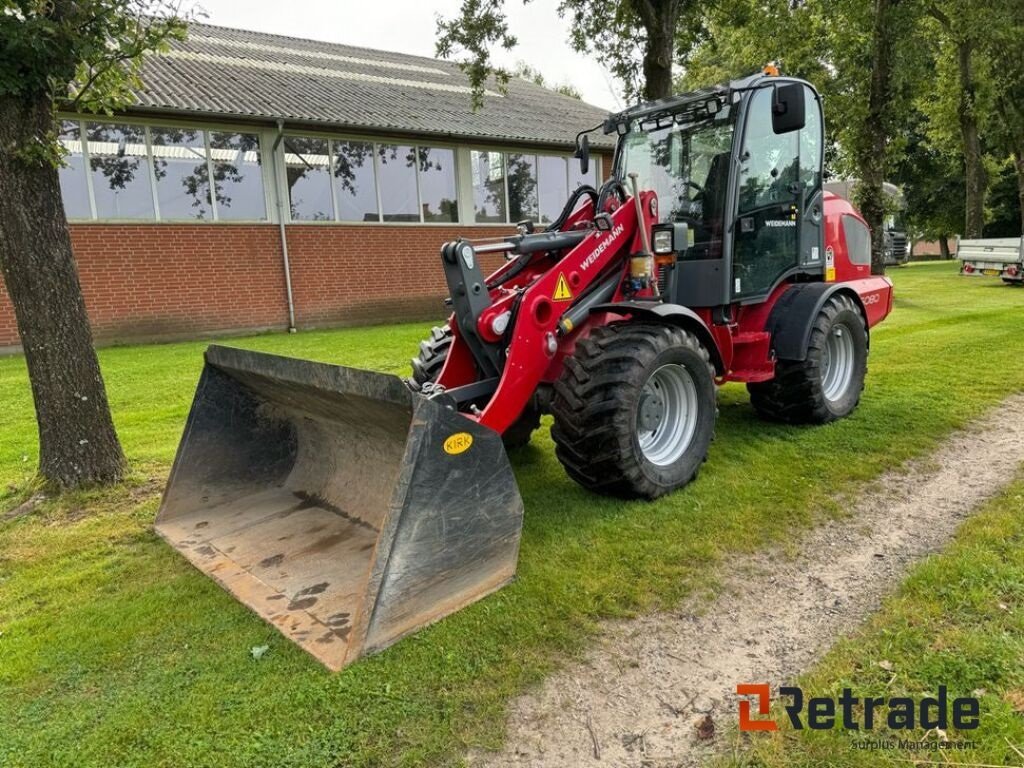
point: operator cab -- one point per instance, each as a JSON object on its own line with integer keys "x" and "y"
{"x": 741, "y": 166}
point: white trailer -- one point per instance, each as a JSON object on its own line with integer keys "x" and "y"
{"x": 997, "y": 257}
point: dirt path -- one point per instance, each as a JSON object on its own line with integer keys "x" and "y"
{"x": 638, "y": 697}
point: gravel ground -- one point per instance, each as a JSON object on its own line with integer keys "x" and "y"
{"x": 656, "y": 689}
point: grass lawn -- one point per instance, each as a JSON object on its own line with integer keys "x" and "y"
{"x": 958, "y": 621}
{"x": 114, "y": 651}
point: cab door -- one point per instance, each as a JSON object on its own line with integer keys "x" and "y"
{"x": 777, "y": 229}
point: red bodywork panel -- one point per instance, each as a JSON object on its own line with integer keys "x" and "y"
{"x": 549, "y": 286}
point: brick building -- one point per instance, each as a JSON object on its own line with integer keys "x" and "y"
{"x": 262, "y": 181}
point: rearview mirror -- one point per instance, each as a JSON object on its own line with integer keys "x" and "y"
{"x": 788, "y": 109}
{"x": 583, "y": 153}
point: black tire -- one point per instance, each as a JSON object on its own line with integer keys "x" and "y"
{"x": 522, "y": 429}
{"x": 597, "y": 409}
{"x": 427, "y": 365}
{"x": 797, "y": 393}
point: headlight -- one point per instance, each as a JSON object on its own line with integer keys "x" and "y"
{"x": 662, "y": 241}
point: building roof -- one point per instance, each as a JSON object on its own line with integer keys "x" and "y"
{"x": 256, "y": 76}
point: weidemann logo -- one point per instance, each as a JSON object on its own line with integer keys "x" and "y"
{"x": 602, "y": 247}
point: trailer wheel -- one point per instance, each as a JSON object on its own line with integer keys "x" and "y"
{"x": 635, "y": 410}
{"x": 427, "y": 365}
{"x": 827, "y": 384}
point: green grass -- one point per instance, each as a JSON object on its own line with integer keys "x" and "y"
{"x": 116, "y": 652}
{"x": 958, "y": 621}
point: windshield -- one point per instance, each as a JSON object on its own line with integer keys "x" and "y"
{"x": 687, "y": 166}
{"x": 896, "y": 222}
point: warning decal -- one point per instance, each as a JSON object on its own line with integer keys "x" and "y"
{"x": 562, "y": 292}
{"x": 830, "y": 265}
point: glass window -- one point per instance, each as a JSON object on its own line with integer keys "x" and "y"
{"x": 769, "y": 199}
{"x": 553, "y": 186}
{"x": 74, "y": 189}
{"x": 810, "y": 148}
{"x": 858, "y": 240}
{"x": 182, "y": 175}
{"x": 687, "y": 165}
{"x": 438, "y": 199}
{"x": 522, "y": 187}
{"x": 577, "y": 179}
{"x": 396, "y": 174}
{"x": 120, "y": 176}
{"x": 488, "y": 187}
{"x": 355, "y": 185}
{"x": 238, "y": 176}
{"x": 308, "y": 169}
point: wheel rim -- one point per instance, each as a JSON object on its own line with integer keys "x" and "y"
{"x": 667, "y": 414}
{"x": 837, "y": 362}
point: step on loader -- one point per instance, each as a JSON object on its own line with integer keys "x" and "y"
{"x": 350, "y": 508}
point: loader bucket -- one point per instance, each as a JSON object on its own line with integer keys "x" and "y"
{"x": 341, "y": 507}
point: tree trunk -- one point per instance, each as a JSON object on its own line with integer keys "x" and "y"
{"x": 658, "y": 67}
{"x": 974, "y": 167}
{"x": 659, "y": 18}
{"x": 871, "y": 194}
{"x": 1018, "y": 162}
{"x": 944, "y": 247}
{"x": 77, "y": 442}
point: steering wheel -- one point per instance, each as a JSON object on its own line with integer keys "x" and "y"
{"x": 696, "y": 186}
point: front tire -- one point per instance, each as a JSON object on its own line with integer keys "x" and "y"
{"x": 427, "y": 365}
{"x": 827, "y": 384}
{"x": 635, "y": 410}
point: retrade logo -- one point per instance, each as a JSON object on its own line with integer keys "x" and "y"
{"x": 853, "y": 713}
{"x": 764, "y": 705}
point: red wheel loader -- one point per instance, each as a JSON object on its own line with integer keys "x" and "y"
{"x": 350, "y": 508}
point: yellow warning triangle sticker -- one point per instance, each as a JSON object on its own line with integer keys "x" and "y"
{"x": 562, "y": 292}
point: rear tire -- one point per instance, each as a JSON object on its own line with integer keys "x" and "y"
{"x": 635, "y": 410}
{"x": 427, "y": 365}
{"x": 827, "y": 384}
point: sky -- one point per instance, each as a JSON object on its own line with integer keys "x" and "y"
{"x": 409, "y": 26}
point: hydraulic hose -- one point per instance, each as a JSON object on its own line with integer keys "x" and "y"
{"x": 570, "y": 206}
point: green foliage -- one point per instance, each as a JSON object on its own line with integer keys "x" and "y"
{"x": 480, "y": 25}
{"x": 115, "y": 651}
{"x": 933, "y": 184}
{"x": 78, "y": 54}
{"x": 619, "y": 33}
{"x": 831, "y": 44}
{"x": 1003, "y": 212}
{"x": 528, "y": 73}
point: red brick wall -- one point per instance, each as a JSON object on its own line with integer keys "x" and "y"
{"x": 152, "y": 281}
{"x": 343, "y": 275}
